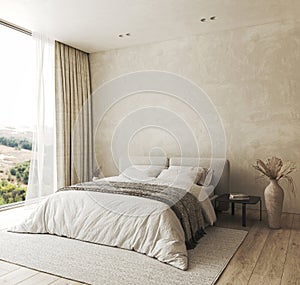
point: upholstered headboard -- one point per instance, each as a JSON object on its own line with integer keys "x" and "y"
{"x": 220, "y": 167}
{"x": 125, "y": 162}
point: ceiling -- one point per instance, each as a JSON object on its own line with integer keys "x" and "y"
{"x": 95, "y": 25}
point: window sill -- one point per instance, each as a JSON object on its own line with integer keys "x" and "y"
{"x": 12, "y": 206}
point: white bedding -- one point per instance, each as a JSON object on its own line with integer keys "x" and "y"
{"x": 134, "y": 223}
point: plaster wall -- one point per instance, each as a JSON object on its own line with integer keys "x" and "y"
{"x": 252, "y": 76}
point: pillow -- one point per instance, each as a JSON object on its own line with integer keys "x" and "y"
{"x": 181, "y": 177}
{"x": 206, "y": 178}
{"x": 142, "y": 172}
{"x": 201, "y": 192}
{"x": 198, "y": 172}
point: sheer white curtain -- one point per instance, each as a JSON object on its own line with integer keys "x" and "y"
{"x": 43, "y": 173}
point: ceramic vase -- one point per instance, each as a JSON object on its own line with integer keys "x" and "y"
{"x": 274, "y": 200}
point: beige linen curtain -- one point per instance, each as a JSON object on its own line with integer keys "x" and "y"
{"x": 73, "y": 115}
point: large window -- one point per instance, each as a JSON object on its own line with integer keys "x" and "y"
{"x": 17, "y": 72}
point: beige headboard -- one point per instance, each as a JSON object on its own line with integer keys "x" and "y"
{"x": 221, "y": 167}
{"x": 125, "y": 162}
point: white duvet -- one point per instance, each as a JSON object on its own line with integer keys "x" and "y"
{"x": 143, "y": 225}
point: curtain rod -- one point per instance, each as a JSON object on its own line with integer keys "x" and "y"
{"x": 15, "y": 27}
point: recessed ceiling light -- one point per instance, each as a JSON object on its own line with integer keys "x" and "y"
{"x": 211, "y": 18}
{"x": 124, "y": 35}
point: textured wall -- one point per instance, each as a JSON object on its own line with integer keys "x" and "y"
{"x": 252, "y": 75}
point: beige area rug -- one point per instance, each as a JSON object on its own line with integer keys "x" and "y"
{"x": 97, "y": 264}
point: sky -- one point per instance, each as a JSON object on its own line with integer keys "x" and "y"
{"x": 17, "y": 72}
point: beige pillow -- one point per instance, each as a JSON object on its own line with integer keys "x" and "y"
{"x": 206, "y": 177}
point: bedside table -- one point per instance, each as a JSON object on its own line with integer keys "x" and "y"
{"x": 252, "y": 200}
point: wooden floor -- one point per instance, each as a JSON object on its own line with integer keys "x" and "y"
{"x": 265, "y": 257}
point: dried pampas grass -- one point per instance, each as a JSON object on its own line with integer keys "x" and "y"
{"x": 274, "y": 168}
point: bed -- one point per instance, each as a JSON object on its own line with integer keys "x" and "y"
{"x": 144, "y": 209}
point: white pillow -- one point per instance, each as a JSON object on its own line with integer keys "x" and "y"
{"x": 142, "y": 172}
{"x": 198, "y": 172}
{"x": 181, "y": 177}
{"x": 201, "y": 192}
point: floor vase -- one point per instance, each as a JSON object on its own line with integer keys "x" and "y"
{"x": 274, "y": 200}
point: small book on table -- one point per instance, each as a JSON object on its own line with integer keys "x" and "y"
{"x": 238, "y": 196}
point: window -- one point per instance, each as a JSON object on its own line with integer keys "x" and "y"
{"x": 17, "y": 72}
